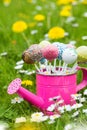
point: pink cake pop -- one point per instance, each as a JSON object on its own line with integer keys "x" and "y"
{"x": 50, "y": 52}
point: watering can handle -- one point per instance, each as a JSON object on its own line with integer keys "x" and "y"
{"x": 84, "y": 80}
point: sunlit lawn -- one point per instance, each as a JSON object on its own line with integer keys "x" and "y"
{"x": 15, "y": 43}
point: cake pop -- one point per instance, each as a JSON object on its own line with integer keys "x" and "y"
{"x": 27, "y": 58}
{"x": 50, "y": 52}
{"x": 82, "y": 53}
{"x": 35, "y": 52}
{"x": 69, "y": 56}
{"x": 44, "y": 43}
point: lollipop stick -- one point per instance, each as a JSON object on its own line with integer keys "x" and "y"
{"x": 50, "y": 68}
{"x": 54, "y": 68}
{"x": 74, "y": 67}
{"x": 46, "y": 64}
{"x": 59, "y": 65}
{"x": 64, "y": 67}
{"x": 41, "y": 69}
{"x": 37, "y": 67}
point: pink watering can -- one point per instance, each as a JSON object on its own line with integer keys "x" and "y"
{"x": 49, "y": 86}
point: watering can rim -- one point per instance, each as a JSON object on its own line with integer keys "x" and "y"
{"x": 51, "y": 75}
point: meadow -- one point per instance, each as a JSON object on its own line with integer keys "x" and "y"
{"x": 71, "y": 16}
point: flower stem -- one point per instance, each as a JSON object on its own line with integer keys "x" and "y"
{"x": 25, "y": 38}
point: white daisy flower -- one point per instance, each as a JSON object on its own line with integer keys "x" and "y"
{"x": 84, "y": 111}
{"x": 85, "y": 14}
{"x": 85, "y": 92}
{"x": 19, "y": 62}
{"x": 18, "y": 67}
{"x": 51, "y": 107}
{"x": 38, "y": 117}
{"x": 55, "y": 116}
{"x": 75, "y": 114}
{"x": 4, "y": 126}
{"x": 3, "y": 54}
{"x": 70, "y": 19}
{"x": 77, "y": 105}
{"x": 75, "y": 25}
{"x": 68, "y": 127}
{"x": 34, "y": 32}
{"x": 20, "y": 120}
{"x": 17, "y": 100}
{"x": 54, "y": 98}
{"x": 84, "y": 37}
{"x": 61, "y": 109}
{"x": 68, "y": 108}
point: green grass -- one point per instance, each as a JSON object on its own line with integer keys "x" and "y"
{"x": 10, "y": 14}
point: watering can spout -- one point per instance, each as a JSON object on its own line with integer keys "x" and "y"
{"x": 15, "y": 87}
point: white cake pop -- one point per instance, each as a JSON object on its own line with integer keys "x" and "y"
{"x": 69, "y": 55}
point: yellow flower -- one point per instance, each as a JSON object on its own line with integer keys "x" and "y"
{"x": 27, "y": 82}
{"x": 30, "y": 1}
{"x": 28, "y": 127}
{"x": 65, "y": 13}
{"x": 39, "y": 17}
{"x": 67, "y": 7}
{"x": 84, "y": 2}
{"x": 31, "y": 24}
{"x": 6, "y": 2}
{"x": 19, "y": 26}
{"x": 63, "y": 2}
{"x": 56, "y": 33}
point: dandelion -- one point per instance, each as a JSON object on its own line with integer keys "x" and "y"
{"x": 27, "y": 82}
{"x": 19, "y": 26}
{"x": 84, "y": 1}
{"x": 20, "y": 120}
{"x": 64, "y": 2}
{"x": 38, "y": 117}
{"x": 39, "y": 17}
{"x": 17, "y": 100}
{"x": 67, "y": 7}
{"x": 6, "y": 2}
{"x": 28, "y": 126}
{"x": 65, "y": 13}
{"x": 56, "y": 33}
